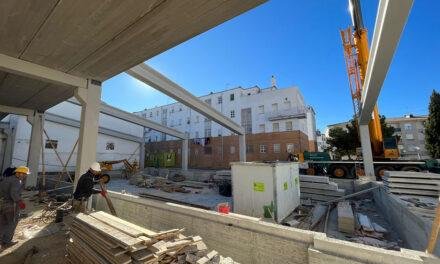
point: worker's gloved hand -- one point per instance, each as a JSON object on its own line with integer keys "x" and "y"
{"x": 103, "y": 193}
{"x": 21, "y": 205}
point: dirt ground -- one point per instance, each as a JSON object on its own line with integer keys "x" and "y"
{"x": 47, "y": 237}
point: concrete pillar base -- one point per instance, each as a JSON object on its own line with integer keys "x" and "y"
{"x": 185, "y": 151}
{"x": 367, "y": 154}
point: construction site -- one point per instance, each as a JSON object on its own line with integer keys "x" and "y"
{"x": 159, "y": 193}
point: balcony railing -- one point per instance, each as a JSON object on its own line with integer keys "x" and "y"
{"x": 299, "y": 113}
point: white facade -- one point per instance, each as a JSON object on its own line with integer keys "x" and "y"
{"x": 257, "y": 110}
{"x": 117, "y": 139}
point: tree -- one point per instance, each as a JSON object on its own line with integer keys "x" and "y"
{"x": 387, "y": 130}
{"x": 343, "y": 142}
{"x": 432, "y": 127}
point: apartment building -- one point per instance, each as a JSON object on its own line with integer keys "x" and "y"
{"x": 271, "y": 113}
{"x": 410, "y": 130}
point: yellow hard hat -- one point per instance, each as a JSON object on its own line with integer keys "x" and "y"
{"x": 22, "y": 169}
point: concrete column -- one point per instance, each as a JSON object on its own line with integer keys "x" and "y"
{"x": 242, "y": 147}
{"x": 142, "y": 155}
{"x": 34, "y": 148}
{"x": 7, "y": 159}
{"x": 90, "y": 99}
{"x": 184, "y": 153}
{"x": 367, "y": 154}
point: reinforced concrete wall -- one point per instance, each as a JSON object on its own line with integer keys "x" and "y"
{"x": 248, "y": 239}
{"x": 413, "y": 229}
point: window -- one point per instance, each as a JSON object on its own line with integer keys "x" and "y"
{"x": 275, "y": 107}
{"x": 208, "y": 101}
{"x": 151, "y": 114}
{"x": 219, "y": 132}
{"x": 232, "y": 113}
{"x": 110, "y": 146}
{"x": 188, "y": 120}
{"x": 276, "y": 148}
{"x": 263, "y": 149}
{"x": 232, "y": 149}
{"x": 51, "y": 144}
{"x": 180, "y": 109}
{"x": 276, "y": 127}
{"x": 207, "y": 150}
{"x": 290, "y": 147}
{"x": 144, "y": 115}
{"x": 407, "y": 126}
{"x": 180, "y": 121}
{"x": 409, "y": 136}
{"x": 289, "y": 126}
{"x": 196, "y": 135}
{"x": 157, "y": 113}
{"x": 262, "y": 128}
{"x": 172, "y": 110}
{"x": 207, "y": 132}
{"x": 197, "y": 119}
{"x": 261, "y": 109}
{"x": 287, "y": 105}
{"x": 249, "y": 148}
{"x": 219, "y": 100}
{"x": 231, "y": 97}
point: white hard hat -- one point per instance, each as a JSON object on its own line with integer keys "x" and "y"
{"x": 95, "y": 166}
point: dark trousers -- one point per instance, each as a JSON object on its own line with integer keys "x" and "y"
{"x": 8, "y": 221}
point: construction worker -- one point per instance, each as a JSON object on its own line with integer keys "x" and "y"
{"x": 84, "y": 188}
{"x": 10, "y": 203}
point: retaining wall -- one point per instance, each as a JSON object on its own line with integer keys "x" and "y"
{"x": 413, "y": 229}
{"x": 248, "y": 239}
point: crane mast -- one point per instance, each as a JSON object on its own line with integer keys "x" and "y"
{"x": 356, "y": 52}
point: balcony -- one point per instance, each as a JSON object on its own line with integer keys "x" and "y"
{"x": 286, "y": 114}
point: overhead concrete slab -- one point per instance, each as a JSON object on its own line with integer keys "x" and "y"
{"x": 96, "y": 39}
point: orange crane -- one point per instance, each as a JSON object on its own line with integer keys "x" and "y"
{"x": 356, "y": 52}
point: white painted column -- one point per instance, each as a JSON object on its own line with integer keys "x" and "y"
{"x": 142, "y": 156}
{"x": 7, "y": 159}
{"x": 367, "y": 154}
{"x": 34, "y": 152}
{"x": 242, "y": 147}
{"x": 185, "y": 147}
{"x": 90, "y": 99}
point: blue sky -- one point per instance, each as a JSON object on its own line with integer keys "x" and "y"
{"x": 299, "y": 43}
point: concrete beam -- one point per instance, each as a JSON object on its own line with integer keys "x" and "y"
{"x": 35, "y": 71}
{"x": 132, "y": 118}
{"x": 390, "y": 21}
{"x": 16, "y": 110}
{"x": 36, "y": 120}
{"x": 158, "y": 81}
{"x": 105, "y": 131}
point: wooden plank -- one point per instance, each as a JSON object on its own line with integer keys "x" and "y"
{"x": 110, "y": 243}
{"x": 308, "y": 178}
{"x": 107, "y": 230}
{"x": 108, "y": 200}
{"x": 88, "y": 251}
{"x": 144, "y": 231}
{"x": 336, "y": 193}
{"x": 117, "y": 224}
{"x": 321, "y": 186}
{"x": 108, "y": 254}
{"x": 435, "y": 229}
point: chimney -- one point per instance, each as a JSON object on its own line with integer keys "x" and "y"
{"x": 273, "y": 81}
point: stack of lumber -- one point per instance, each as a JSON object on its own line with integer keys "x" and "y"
{"x": 319, "y": 188}
{"x": 413, "y": 183}
{"x": 103, "y": 238}
{"x": 345, "y": 217}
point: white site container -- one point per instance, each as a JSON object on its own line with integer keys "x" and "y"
{"x": 274, "y": 186}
